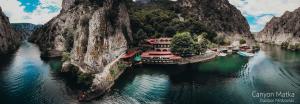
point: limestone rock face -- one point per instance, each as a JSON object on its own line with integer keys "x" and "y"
{"x": 94, "y": 32}
{"x": 9, "y": 40}
{"x": 67, "y": 4}
{"x": 217, "y": 15}
{"x": 24, "y": 29}
{"x": 284, "y": 29}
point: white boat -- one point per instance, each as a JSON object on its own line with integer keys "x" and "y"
{"x": 222, "y": 54}
{"x": 246, "y": 54}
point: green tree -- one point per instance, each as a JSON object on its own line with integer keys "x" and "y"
{"x": 182, "y": 44}
{"x": 157, "y": 35}
{"x": 66, "y": 56}
{"x": 169, "y": 31}
{"x": 159, "y": 17}
{"x": 85, "y": 79}
{"x": 242, "y": 41}
{"x": 201, "y": 44}
{"x": 139, "y": 36}
{"x": 200, "y": 48}
{"x": 149, "y": 29}
{"x": 219, "y": 39}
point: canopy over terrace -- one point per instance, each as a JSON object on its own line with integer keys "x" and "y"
{"x": 156, "y": 57}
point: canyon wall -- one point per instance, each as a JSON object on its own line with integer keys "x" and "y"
{"x": 89, "y": 34}
{"x": 24, "y": 29}
{"x": 9, "y": 40}
{"x": 284, "y": 30}
{"x": 219, "y": 16}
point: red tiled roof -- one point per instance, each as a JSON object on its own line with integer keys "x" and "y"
{"x": 159, "y": 41}
{"x": 129, "y": 54}
{"x": 151, "y": 41}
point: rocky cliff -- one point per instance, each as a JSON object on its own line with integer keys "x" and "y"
{"x": 217, "y": 15}
{"x": 24, "y": 29}
{"x": 93, "y": 32}
{"x": 284, "y": 30}
{"x": 9, "y": 40}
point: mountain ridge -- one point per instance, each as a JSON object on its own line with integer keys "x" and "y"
{"x": 284, "y": 30}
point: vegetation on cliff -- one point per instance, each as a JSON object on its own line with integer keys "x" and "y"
{"x": 114, "y": 71}
{"x": 243, "y": 41}
{"x": 160, "y": 18}
{"x": 82, "y": 80}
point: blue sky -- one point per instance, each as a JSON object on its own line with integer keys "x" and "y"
{"x": 257, "y": 12}
{"x": 30, "y": 5}
{"x": 31, "y": 11}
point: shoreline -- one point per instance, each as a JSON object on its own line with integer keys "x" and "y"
{"x": 106, "y": 85}
{"x": 198, "y": 58}
{"x": 104, "y": 81}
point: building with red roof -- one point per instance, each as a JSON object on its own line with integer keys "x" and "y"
{"x": 160, "y": 44}
{"x": 132, "y": 55}
{"x": 160, "y": 53}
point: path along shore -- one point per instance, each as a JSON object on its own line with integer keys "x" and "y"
{"x": 198, "y": 58}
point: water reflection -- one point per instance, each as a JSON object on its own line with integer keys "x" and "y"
{"x": 225, "y": 80}
{"x": 28, "y": 79}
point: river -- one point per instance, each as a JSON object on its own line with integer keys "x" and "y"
{"x": 27, "y": 79}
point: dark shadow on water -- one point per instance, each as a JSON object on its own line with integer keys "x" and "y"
{"x": 184, "y": 81}
{"x": 69, "y": 78}
{"x": 5, "y": 61}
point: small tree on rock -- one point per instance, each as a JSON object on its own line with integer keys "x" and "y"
{"x": 242, "y": 41}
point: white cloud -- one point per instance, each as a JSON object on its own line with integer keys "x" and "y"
{"x": 264, "y": 10}
{"x": 255, "y": 28}
{"x": 41, "y": 15}
{"x": 260, "y": 7}
{"x": 260, "y": 23}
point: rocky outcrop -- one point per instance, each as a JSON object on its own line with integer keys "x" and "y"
{"x": 94, "y": 33}
{"x": 284, "y": 30}
{"x": 217, "y": 15}
{"x": 9, "y": 40}
{"x": 24, "y": 29}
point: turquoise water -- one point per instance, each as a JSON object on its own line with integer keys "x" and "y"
{"x": 226, "y": 80}
{"x": 27, "y": 79}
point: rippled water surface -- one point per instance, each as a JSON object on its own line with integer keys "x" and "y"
{"x": 225, "y": 80}
{"x": 26, "y": 79}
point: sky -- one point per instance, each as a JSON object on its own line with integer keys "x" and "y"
{"x": 30, "y": 11}
{"x": 257, "y": 12}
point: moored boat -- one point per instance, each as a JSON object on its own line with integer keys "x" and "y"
{"x": 245, "y": 54}
{"x": 222, "y": 54}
